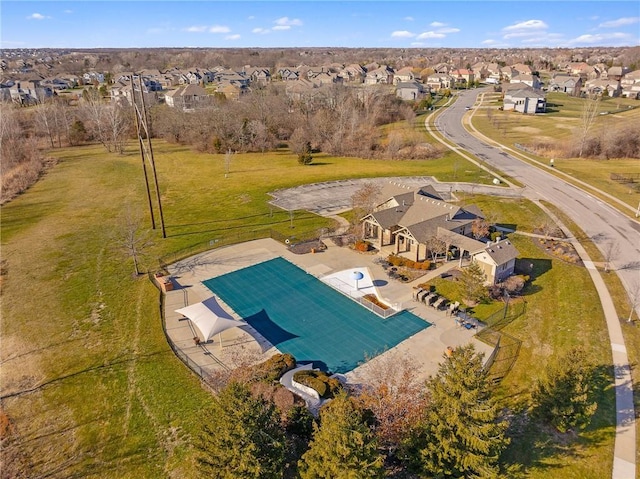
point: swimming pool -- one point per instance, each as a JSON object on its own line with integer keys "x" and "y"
{"x": 302, "y": 316}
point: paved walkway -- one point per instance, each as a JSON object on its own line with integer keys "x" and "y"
{"x": 242, "y": 345}
{"x": 624, "y": 454}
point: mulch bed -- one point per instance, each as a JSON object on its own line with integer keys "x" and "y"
{"x": 562, "y": 250}
{"x": 307, "y": 247}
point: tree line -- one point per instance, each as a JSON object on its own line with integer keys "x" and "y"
{"x": 451, "y": 426}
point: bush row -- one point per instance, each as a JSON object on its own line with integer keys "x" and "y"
{"x": 407, "y": 263}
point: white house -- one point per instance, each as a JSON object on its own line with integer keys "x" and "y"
{"x": 497, "y": 260}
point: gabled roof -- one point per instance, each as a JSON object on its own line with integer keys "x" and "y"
{"x": 500, "y": 252}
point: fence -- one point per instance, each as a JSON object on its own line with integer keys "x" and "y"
{"x": 231, "y": 238}
{"x": 347, "y": 290}
{"x": 625, "y": 177}
{"x": 505, "y": 347}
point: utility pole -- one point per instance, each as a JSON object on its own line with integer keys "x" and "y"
{"x": 146, "y": 149}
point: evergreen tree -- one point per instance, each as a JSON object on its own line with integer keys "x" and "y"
{"x": 472, "y": 280}
{"x": 241, "y": 437}
{"x": 343, "y": 446}
{"x": 563, "y": 396}
{"x": 461, "y": 434}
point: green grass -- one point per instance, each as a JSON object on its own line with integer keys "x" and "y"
{"x": 96, "y": 386}
{"x": 556, "y": 319}
{"x": 90, "y": 381}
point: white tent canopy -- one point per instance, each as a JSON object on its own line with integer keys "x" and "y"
{"x": 209, "y": 317}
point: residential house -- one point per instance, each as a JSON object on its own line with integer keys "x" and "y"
{"x": 404, "y": 75}
{"x": 569, "y": 84}
{"x": 527, "y": 79}
{"x": 522, "y": 68}
{"x": 630, "y": 85}
{"x": 257, "y": 74}
{"x": 383, "y": 75}
{"x": 463, "y": 77}
{"x": 599, "y": 86}
{"x": 525, "y": 100}
{"x": 443, "y": 68}
{"x": 439, "y": 81}
{"x": 506, "y": 73}
{"x": 231, "y": 90}
{"x": 497, "y": 260}
{"x": 406, "y": 222}
{"x": 353, "y": 73}
{"x": 410, "y": 90}
{"x": 92, "y": 77}
{"x": 616, "y": 73}
{"x": 186, "y": 97}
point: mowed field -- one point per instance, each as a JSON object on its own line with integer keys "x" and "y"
{"x": 87, "y": 375}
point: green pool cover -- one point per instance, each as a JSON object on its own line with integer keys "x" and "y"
{"x": 301, "y": 315}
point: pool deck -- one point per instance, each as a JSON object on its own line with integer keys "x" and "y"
{"x": 425, "y": 349}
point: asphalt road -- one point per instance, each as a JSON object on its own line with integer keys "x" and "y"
{"x": 601, "y": 222}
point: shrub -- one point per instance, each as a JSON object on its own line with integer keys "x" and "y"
{"x": 273, "y": 368}
{"x": 425, "y": 265}
{"x": 325, "y": 386}
{"x": 362, "y": 246}
{"x": 394, "y": 260}
{"x": 496, "y": 234}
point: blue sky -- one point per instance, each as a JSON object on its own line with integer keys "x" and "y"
{"x": 395, "y": 24}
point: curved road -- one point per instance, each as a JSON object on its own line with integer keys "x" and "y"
{"x": 601, "y": 222}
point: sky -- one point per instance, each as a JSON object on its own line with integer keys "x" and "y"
{"x": 328, "y": 23}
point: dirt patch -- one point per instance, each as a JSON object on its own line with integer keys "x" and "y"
{"x": 305, "y": 247}
{"x": 527, "y": 129}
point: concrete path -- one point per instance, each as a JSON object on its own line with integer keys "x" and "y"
{"x": 624, "y": 454}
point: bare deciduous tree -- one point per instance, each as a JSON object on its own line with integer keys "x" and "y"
{"x": 132, "y": 238}
{"x": 587, "y": 119}
{"x": 364, "y": 200}
{"x": 436, "y": 246}
{"x": 395, "y": 395}
{"x": 480, "y": 228}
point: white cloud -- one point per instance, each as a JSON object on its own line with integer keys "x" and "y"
{"x": 488, "y": 42}
{"x": 260, "y": 30}
{"x": 68, "y": 11}
{"x": 282, "y": 27}
{"x": 601, "y": 39}
{"x": 37, "y": 16}
{"x": 219, "y": 29}
{"x": 620, "y": 22}
{"x": 417, "y": 44}
{"x": 509, "y": 36}
{"x": 251, "y": 17}
{"x": 448, "y": 30}
{"x": 426, "y": 35}
{"x": 437, "y": 24}
{"x": 291, "y": 22}
{"x": 409, "y": 19}
{"x": 235, "y": 36}
{"x": 196, "y": 29}
{"x": 526, "y": 26}
{"x": 402, "y": 34}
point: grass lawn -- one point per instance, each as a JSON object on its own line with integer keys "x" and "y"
{"x": 561, "y": 125}
{"x": 87, "y": 375}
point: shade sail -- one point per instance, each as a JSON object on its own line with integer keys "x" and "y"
{"x": 209, "y": 317}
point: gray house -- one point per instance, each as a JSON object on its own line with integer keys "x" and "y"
{"x": 525, "y": 100}
{"x": 569, "y": 84}
{"x": 410, "y": 90}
